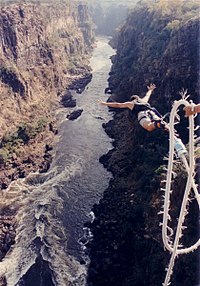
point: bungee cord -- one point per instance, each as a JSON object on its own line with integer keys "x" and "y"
{"x": 177, "y": 147}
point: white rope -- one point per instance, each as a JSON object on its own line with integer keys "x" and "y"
{"x": 175, "y": 143}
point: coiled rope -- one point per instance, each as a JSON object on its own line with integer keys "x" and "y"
{"x": 176, "y": 146}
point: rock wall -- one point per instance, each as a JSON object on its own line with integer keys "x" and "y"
{"x": 127, "y": 248}
{"x": 43, "y": 47}
{"x": 162, "y": 48}
{"x": 108, "y": 16}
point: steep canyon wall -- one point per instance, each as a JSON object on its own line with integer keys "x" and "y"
{"x": 44, "y": 48}
{"x": 108, "y": 16}
{"x": 159, "y": 43}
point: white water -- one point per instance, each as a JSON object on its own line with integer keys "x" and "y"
{"x": 51, "y": 208}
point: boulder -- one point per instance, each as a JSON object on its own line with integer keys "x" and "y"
{"x": 75, "y": 114}
{"x": 68, "y": 101}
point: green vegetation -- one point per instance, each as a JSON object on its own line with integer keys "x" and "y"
{"x": 27, "y": 131}
{"x": 11, "y": 143}
{"x": 4, "y": 155}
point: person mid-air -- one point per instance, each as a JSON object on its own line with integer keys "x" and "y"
{"x": 148, "y": 117}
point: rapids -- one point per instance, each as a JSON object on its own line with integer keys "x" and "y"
{"x": 51, "y": 208}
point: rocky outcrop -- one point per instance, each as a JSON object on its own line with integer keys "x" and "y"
{"x": 67, "y": 100}
{"x": 127, "y": 248}
{"x": 74, "y": 114}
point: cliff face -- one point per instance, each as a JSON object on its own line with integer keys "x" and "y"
{"x": 159, "y": 44}
{"x": 43, "y": 47}
{"x": 127, "y": 247}
{"x": 162, "y": 48}
{"x": 108, "y": 16}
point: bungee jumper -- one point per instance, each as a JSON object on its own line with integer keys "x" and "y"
{"x": 148, "y": 117}
{"x": 172, "y": 237}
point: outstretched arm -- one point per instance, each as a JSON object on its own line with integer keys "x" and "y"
{"x": 128, "y": 104}
{"x": 151, "y": 88}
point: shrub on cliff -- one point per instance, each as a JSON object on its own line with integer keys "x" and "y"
{"x": 24, "y": 133}
{"x": 4, "y": 154}
{"x": 27, "y": 131}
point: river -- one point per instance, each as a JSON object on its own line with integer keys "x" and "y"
{"x": 53, "y": 207}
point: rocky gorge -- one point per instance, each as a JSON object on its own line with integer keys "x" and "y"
{"x": 44, "y": 51}
{"x": 159, "y": 44}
